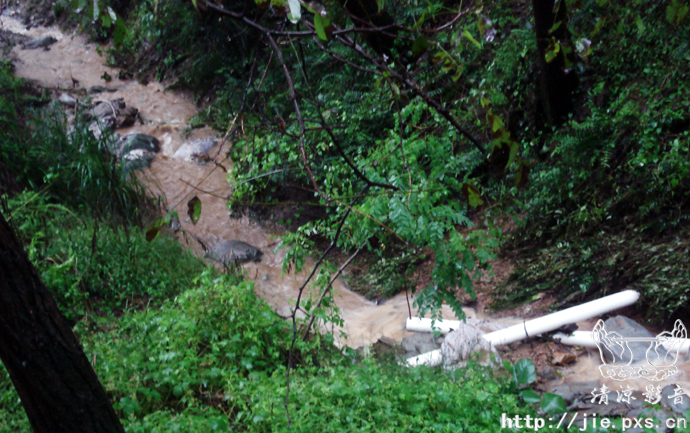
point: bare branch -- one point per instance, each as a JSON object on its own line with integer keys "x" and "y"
{"x": 298, "y": 113}
{"x": 299, "y": 298}
{"x": 330, "y": 283}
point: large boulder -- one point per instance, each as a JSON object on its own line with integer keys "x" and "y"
{"x": 234, "y": 252}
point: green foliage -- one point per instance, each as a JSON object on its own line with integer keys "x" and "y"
{"x": 213, "y": 360}
{"x": 94, "y": 267}
{"x": 71, "y": 167}
{"x": 607, "y": 198}
{"x": 388, "y": 276}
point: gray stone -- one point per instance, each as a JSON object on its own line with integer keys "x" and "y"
{"x": 135, "y": 150}
{"x": 43, "y": 42}
{"x": 234, "y": 252}
{"x": 195, "y": 150}
{"x": 548, "y": 373}
{"x": 628, "y": 328}
{"x": 67, "y": 100}
{"x": 573, "y": 390}
{"x": 134, "y": 141}
{"x": 99, "y": 127}
{"x": 97, "y": 89}
{"x": 387, "y": 341}
{"x": 108, "y": 108}
{"x": 667, "y": 400}
{"x": 460, "y": 345}
{"x": 419, "y": 343}
{"x": 660, "y": 415}
{"x": 110, "y": 115}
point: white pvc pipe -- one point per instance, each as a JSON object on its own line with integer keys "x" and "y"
{"x": 534, "y": 327}
{"x": 430, "y": 359}
{"x": 578, "y": 338}
{"x": 421, "y": 324}
{"x": 554, "y": 321}
{"x": 584, "y": 339}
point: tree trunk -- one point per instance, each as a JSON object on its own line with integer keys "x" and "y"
{"x": 366, "y": 14}
{"x": 556, "y": 84}
{"x": 57, "y": 386}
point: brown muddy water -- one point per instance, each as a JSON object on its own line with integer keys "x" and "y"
{"x": 166, "y": 113}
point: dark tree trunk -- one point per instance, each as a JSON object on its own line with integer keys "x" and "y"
{"x": 366, "y": 14}
{"x": 556, "y": 84}
{"x": 57, "y": 386}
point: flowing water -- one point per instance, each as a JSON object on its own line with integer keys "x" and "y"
{"x": 72, "y": 63}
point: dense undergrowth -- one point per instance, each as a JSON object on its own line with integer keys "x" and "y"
{"x": 213, "y": 359}
{"x": 607, "y": 209}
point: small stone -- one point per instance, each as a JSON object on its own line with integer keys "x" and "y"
{"x": 97, "y": 89}
{"x": 43, "y": 42}
{"x": 67, "y": 100}
{"x": 387, "y": 341}
{"x": 234, "y": 252}
{"x": 136, "y": 141}
{"x": 561, "y": 358}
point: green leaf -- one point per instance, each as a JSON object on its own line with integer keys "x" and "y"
{"x": 322, "y": 24}
{"x": 529, "y": 396}
{"x": 419, "y": 47}
{"x": 522, "y": 175}
{"x": 105, "y": 20}
{"x": 583, "y": 47}
{"x": 495, "y": 122}
{"x": 194, "y": 209}
{"x": 152, "y": 232}
{"x": 474, "y": 199}
{"x": 552, "y": 50}
{"x": 524, "y": 372}
{"x": 552, "y": 404}
{"x": 457, "y": 74}
{"x": 513, "y": 152}
{"x": 466, "y": 33}
{"x": 676, "y": 12}
{"x": 120, "y": 31}
{"x": 555, "y": 26}
{"x": 598, "y": 26}
{"x": 195, "y": 6}
{"x": 380, "y": 4}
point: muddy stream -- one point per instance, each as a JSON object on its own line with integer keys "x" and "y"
{"x": 165, "y": 114}
{"x": 71, "y": 61}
